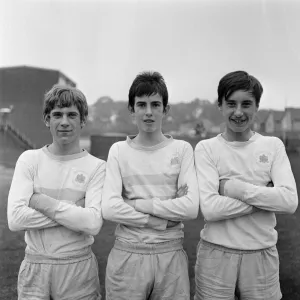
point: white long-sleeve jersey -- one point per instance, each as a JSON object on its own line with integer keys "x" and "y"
{"x": 151, "y": 176}
{"x": 66, "y": 179}
{"x": 245, "y": 217}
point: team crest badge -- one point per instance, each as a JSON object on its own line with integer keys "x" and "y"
{"x": 175, "y": 161}
{"x": 263, "y": 158}
{"x": 80, "y": 178}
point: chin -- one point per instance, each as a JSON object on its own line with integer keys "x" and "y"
{"x": 235, "y": 128}
{"x": 148, "y": 130}
{"x": 64, "y": 141}
{"x": 239, "y": 130}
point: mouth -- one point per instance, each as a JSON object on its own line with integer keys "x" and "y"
{"x": 64, "y": 131}
{"x": 148, "y": 121}
{"x": 239, "y": 122}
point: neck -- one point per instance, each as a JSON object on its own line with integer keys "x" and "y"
{"x": 66, "y": 149}
{"x": 149, "y": 139}
{"x": 232, "y": 136}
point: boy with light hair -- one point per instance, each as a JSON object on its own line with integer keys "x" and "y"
{"x": 150, "y": 188}
{"x": 244, "y": 179}
{"x": 55, "y": 196}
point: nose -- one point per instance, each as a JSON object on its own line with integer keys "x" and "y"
{"x": 238, "y": 111}
{"x": 148, "y": 111}
{"x": 64, "y": 122}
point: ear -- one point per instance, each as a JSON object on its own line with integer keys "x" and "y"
{"x": 220, "y": 105}
{"x": 166, "y": 109}
{"x": 83, "y": 123}
{"x": 131, "y": 111}
{"x": 47, "y": 121}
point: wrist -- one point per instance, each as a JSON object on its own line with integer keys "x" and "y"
{"x": 33, "y": 201}
{"x": 145, "y": 206}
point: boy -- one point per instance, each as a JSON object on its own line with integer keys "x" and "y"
{"x": 150, "y": 187}
{"x": 237, "y": 255}
{"x": 55, "y": 196}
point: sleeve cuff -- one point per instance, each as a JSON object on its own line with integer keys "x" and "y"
{"x": 144, "y": 206}
{"x": 157, "y": 223}
{"x": 46, "y": 205}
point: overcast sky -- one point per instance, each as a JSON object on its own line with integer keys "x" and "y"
{"x": 102, "y": 45}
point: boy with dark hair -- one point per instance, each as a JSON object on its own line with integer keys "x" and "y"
{"x": 55, "y": 196}
{"x": 150, "y": 187}
{"x": 237, "y": 255}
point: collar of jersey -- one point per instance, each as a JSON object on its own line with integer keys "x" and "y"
{"x": 64, "y": 157}
{"x": 253, "y": 138}
{"x": 163, "y": 144}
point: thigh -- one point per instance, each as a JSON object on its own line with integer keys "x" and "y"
{"x": 171, "y": 276}
{"x": 34, "y": 281}
{"x": 128, "y": 275}
{"x": 259, "y": 276}
{"x": 215, "y": 273}
{"x": 76, "y": 281}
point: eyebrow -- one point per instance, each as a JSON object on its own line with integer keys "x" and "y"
{"x": 245, "y": 100}
{"x": 60, "y": 112}
{"x": 154, "y": 101}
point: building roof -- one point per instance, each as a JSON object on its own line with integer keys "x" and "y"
{"x": 295, "y": 112}
{"x": 278, "y": 115}
{"x": 40, "y": 68}
{"x": 262, "y": 115}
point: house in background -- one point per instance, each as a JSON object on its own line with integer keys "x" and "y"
{"x": 291, "y": 120}
{"x": 259, "y": 123}
{"x": 268, "y": 121}
{"x": 23, "y": 88}
{"x": 273, "y": 121}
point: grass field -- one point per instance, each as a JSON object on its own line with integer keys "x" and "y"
{"x": 12, "y": 245}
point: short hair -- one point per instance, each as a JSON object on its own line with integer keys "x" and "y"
{"x": 147, "y": 84}
{"x": 239, "y": 80}
{"x": 65, "y": 96}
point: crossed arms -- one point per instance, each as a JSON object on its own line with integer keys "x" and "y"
{"x": 27, "y": 210}
{"x": 151, "y": 213}
{"x": 234, "y": 198}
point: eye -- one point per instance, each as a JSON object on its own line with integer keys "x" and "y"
{"x": 247, "y": 104}
{"x": 140, "y": 104}
{"x": 73, "y": 115}
{"x": 230, "y": 104}
{"x": 157, "y": 104}
{"x": 56, "y": 115}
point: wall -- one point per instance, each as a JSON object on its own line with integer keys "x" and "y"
{"x": 100, "y": 145}
{"x": 25, "y": 88}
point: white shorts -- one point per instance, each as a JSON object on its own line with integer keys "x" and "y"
{"x": 147, "y": 271}
{"x": 228, "y": 274}
{"x": 55, "y": 279}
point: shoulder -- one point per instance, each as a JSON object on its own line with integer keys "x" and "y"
{"x": 118, "y": 145}
{"x": 95, "y": 160}
{"x": 183, "y": 147}
{"x": 30, "y": 157}
{"x": 270, "y": 141}
{"x": 181, "y": 143}
{"x": 208, "y": 144}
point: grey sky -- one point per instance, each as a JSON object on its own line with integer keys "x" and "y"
{"x": 102, "y": 45}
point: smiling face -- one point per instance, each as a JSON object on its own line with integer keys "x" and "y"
{"x": 148, "y": 114}
{"x": 65, "y": 126}
{"x": 239, "y": 111}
